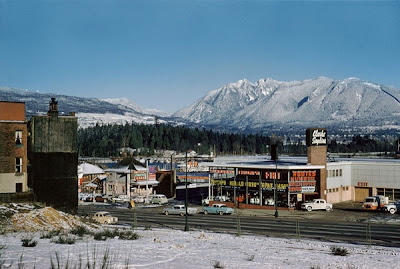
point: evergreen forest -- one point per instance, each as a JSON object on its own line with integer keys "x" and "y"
{"x": 146, "y": 140}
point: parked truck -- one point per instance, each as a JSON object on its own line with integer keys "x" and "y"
{"x": 375, "y": 202}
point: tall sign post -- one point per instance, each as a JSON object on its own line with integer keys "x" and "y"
{"x": 317, "y": 141}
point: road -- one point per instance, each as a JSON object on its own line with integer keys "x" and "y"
{"x": 352, "y": 232}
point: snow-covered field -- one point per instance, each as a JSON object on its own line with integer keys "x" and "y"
{"x": 160, "y": 248}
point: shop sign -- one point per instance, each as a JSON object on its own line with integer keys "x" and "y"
{"x": 316, "y": 137}
{"x": 249, "y": 184}
{"x": 307, "y": 189}
{"x": 303, "y": 181}
{"x": 272, "y": 175}
{"x": 362, "y": 184}
{"x": 249, "y": 173}
{"x": 222, "y": 171}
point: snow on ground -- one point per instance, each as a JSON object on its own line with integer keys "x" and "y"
{"x": 161, "y": 248}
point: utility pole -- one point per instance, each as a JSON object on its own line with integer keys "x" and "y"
{"x": 186, "y": 195}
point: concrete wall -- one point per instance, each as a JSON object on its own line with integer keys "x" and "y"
{"x": 8, "y": 182}
{"x": 376, "y": 174}
{"x": 53, "y": 159}
{"x": 54, "y": 134}
{"x": 55, "y": 180}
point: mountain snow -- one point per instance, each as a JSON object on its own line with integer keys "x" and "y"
{"x": 265, "y": 106}
{"x": 318, "y": 102}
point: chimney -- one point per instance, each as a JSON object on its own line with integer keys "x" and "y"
{"x": 53, "y": 108}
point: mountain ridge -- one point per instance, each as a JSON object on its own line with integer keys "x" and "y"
{"x": 265, "y": 106}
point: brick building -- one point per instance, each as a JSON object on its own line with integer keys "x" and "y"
{"x": 13, "y": 147}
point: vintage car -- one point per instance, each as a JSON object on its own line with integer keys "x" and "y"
{"x": 159, "y": 199}
{"x": 179, "y": 210}
{"x": 392, "y": 207}
{"x": 317, "y": 204}
{"x": 220, "y": 209}
{"x": 122, "y": 199}
{"x": 105, "y": 217}
{"x": 139, "y": 199}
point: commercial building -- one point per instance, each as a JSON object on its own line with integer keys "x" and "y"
{"x": 252, "y": 181}
{"x": 13, "y": 148}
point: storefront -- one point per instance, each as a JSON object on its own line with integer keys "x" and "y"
{"x": 260, "y": 184}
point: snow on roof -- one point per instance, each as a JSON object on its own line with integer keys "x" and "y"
{"x": 90, "y": 169}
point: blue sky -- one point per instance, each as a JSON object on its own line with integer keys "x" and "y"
{"x": 168, "y": 54}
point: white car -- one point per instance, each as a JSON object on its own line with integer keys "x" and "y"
{"x": 105, "y": 217}
{"x": 317, "y": 204}
{"x": 123, "y": 198}
{"x": 139, "y": 199}
{"x": 392, "y": 207}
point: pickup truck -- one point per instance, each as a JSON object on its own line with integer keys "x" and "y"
{"x": 179, "y": 210}
{"x": 392, "y": 207}
{"x": 317, "y": 204}
{"x": 217, "y": 209}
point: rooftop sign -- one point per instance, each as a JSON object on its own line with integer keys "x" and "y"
{"x": 316, "y": 137}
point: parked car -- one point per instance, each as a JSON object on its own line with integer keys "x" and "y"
{"x": 139, "y": 199}
{"x": 317, "y": 204}
{"x": 218, "y": 209}
{"x": 159, "y": 199}
{"x": 207, "y": 200}
{"x": 88, "y": 198}
{"x": 100, "y": 199}
{"x": 123, "y": 198}
{"x": 392, "y": 207}
{"x": 179, "y": 210}
{"x": 105, "y": 217}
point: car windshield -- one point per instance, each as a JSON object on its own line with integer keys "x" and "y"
{"x": 106, "y": 214}
{"x": 369, "y": 200}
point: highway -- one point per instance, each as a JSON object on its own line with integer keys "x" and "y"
{"x": 350, "y": 232}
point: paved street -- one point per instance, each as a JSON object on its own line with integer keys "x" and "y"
{"x": 345, "y": 224}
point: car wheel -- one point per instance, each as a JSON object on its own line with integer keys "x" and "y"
{"x": 392, "y": 211}
{"x": 309, "y": 208}
{"x": 205, "y": 212}
{"x": 328, "y": 208}
{"x": 166, "y": 213}
{"x": 105, "y": 222}
{"x": 182, "y": 214}
{"x": 220, "y": 213}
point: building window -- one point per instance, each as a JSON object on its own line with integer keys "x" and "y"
{"x": 18, "y": 165}
{"x": 340, "y": 172}
{"x": 18, "y": 137}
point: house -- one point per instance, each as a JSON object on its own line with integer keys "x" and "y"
{"x": 91, "y": 174}
{"x": 13, "y": 148}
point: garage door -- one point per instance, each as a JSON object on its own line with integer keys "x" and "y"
{"x": 361, "y": 193}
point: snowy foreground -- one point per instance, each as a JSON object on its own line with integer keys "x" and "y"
{"x": 159, "y": 248}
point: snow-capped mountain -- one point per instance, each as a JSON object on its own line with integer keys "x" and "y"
{"x": 266, "y": 106}
{"x": 270, "y": 105}
{"x": 90, "y": 111}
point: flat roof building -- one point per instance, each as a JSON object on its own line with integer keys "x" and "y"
{"x": 13, "y": 148}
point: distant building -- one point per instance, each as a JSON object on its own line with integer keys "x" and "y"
{"x": 13, "y": 148}
{"x": 53, "y": 157}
